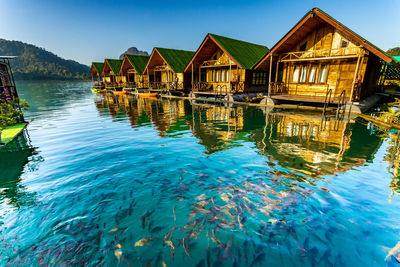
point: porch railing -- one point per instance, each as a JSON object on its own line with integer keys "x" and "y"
{"x": 220, "y": 89}
{"x": 218, "y": 62}
{"x": 322, "y": 53}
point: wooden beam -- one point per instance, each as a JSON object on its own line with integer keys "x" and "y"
{"x": 270, "y": 74}
{"x": 192, "y": 78}
{"x": 276, "y": 72}
{"x": 319, "y": 58}
{"x": 354, "y": 79}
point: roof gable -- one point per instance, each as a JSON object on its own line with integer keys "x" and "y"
{"x": 244, "y": 53}
{"x": 138, "y": 62}
{"x": 309, "y": 20}
{"x": 177, "y": 60}
{"x": 98, "y": 66}
{"x": 113, "y": 64}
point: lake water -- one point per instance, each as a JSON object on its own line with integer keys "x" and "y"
{"x": 142, "y": 182}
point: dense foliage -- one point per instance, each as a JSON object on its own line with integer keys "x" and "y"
{"x": 394, "y": 51}
{"x": 35, "y": 63}
{"x": 11, "y": 111}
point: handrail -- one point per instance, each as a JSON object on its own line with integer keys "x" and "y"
{"x": 327, "y": 99}
{"x": 322, "y": 53}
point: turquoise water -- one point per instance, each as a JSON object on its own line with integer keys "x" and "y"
{"x": 141, "y": 182}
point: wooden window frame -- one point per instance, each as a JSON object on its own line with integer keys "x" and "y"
{"x": 319, "y": 70}
{"x": 309, "y": 73}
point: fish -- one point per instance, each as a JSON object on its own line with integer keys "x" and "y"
{"x": 185, "y": 246}
{"x": 260, "y": 257}
{"x": 145, "y": 217}
{"x": 156, "y": 229}
{"x": 174, "y": 212}
{"x": 227, "y": 248}
{"x": 113, "y": 230}
{"x": 118, "y": 254}
{"x": 138, "y": 181}
{"x": 208, "y": 257}
{"x": 201, "y": 263}
{"x": 144, "y": 241}
{"x": 394, "y": 253}
{"x": 164, "y": 264}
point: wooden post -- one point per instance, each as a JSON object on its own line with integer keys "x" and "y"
{"x": 276, "y": 72}
{"x": 270, "y": 74}
{"x": 192, "y": 78}
{"x": 230, "y": 74}
{"x": 148, "y": 79}
{"x": 354, "y": 79}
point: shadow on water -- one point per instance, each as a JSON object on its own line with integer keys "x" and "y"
{"x": 13, "y": 159}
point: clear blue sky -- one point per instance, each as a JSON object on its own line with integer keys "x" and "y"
{"x": 91, "y": 30}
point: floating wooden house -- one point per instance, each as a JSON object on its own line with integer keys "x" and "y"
{"x": 95, "y": 73}
{"x": 223, "y": 66}
{"x": 132, "y": 69}
{"x": 8, "y": 90}
{"x": 165, "y": 69}
{"x": 110, "y": 74}
{"x": 322, "y": 61}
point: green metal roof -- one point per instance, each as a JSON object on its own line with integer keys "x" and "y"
{"x": 244, "y": 53}
{"x": 138, "y": 62}
{"x": 114, "y": 64}
{"x": 397, "y": 58}
{"x": 98, "y": 66}
{"x": 176, "y": 59}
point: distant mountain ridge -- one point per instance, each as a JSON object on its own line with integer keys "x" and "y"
{"x": 35, "y": 63}
{"x": 133, "y": 51}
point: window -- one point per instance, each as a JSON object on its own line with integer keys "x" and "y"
{"x": 344, "y": 43}
{"x": 303, "y": 74}
{"x": 217, "y": 76}
{"x": 227, "y": 76}
{"x": 313, "y": 74}
{"x": 222, "y": 75}
{"x": 259, "y": 77}
{"x": 303, "y": 47}
{"x": 323, "y": 71}
{"x": 296, "y": 73}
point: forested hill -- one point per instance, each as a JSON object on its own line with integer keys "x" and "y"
{"x": 35, "y": 63}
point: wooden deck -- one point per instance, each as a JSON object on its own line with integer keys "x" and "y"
{"x": 308, "y": 99}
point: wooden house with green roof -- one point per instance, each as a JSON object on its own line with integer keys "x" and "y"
{"x": 132, "y": 69}
{"x": 224, "y": 66}
{"x": 322, "y": 61}
{"x": 110, "y": 73}
{"x": 165, "y": 69}
{"x": 95, "y": 73}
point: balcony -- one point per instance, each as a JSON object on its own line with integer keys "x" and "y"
{"x": 217, "y": 88}
{"x": 216, "y": 63}
{"x": 346, "y": 52}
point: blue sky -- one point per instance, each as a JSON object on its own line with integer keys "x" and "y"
{"x": 88, "y": 31}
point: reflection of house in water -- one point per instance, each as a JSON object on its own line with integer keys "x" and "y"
{"x": 163, "y": 114}
{"x": 305, "y": 142}
{"x": 13, "y": 159}
{"x": 393, "y": 157}
{"x": 313, "y": 144}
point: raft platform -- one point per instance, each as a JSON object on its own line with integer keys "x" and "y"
{"x": 10, "y": 132}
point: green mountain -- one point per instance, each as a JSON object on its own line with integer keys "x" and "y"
{"x": 35, "y": 63}
{"x": 393, "y": 51}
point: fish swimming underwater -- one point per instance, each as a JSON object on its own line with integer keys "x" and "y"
{"x": 144, "y": 241}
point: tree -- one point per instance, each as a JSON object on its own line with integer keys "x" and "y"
{"x": 393, "y": 51}
{"x": 11, "y": 112}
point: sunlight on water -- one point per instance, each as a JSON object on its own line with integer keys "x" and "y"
{"x": 99, "y": 179}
